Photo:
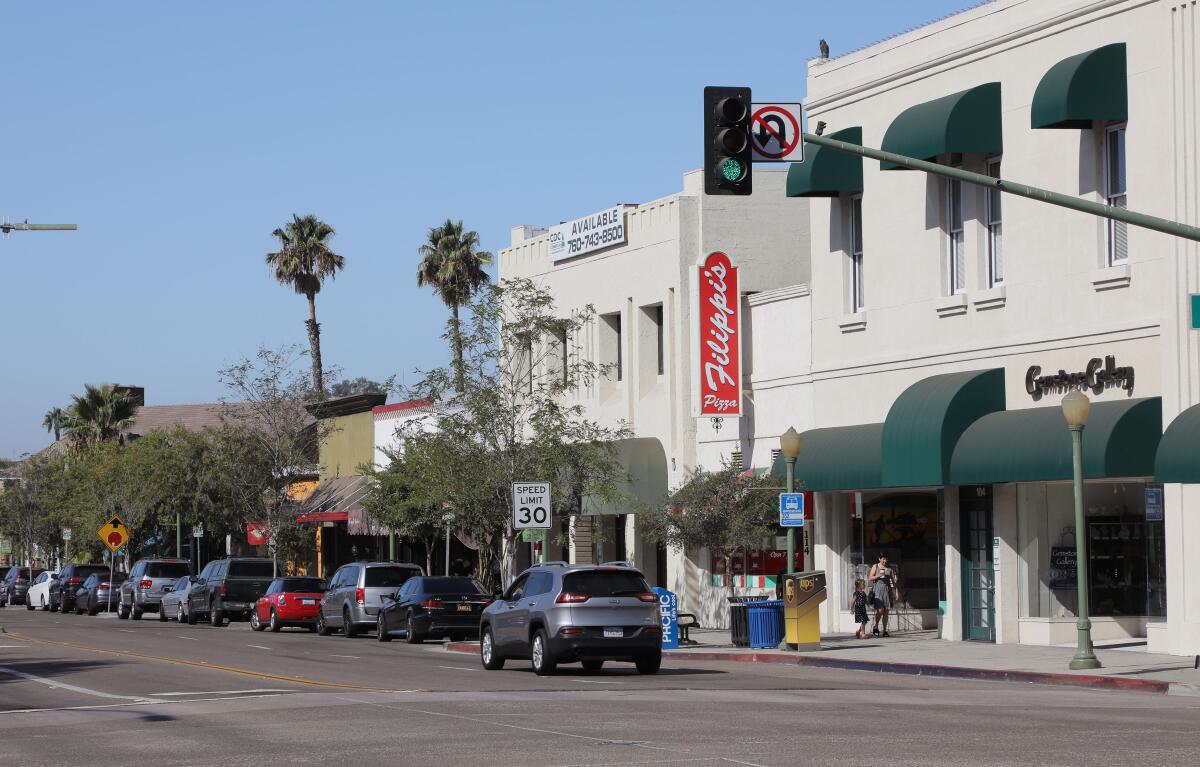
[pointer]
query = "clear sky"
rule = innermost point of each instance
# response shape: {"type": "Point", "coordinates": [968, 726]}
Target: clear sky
{"type": "Point", "coordinates": [179, 135]}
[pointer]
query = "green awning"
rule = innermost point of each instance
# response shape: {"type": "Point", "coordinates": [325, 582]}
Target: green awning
{"type": "Point", "coordinates": [837, 458]}
{"type": "Point", "coordinates": [926, 421]}
{"type": "Point", "coordinates": [1034, 445]}
{"type": "Point", "coordinates": [963, 122]}
{"type": "Point", "coordinates": [1179, 452]}
{"type": "Point", "coordinates": [1082, 89]}
{"type": "Point", "coordinates": [827, 172]}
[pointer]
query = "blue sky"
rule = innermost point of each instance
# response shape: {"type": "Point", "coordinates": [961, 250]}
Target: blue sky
{"type": "Point", "coordinates": [179, 135]}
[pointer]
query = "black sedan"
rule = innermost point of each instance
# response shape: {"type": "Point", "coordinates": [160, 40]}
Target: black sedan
{"type": "Point", "coordinates": [429, 606]}
{"type": "Point", "coordinates": [99, 592]}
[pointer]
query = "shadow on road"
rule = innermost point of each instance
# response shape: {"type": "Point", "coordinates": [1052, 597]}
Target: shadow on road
{"type": "Point", "coordinates": [47, 668]}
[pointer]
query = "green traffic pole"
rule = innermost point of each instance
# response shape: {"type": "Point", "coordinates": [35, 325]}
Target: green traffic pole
{"type": "Point", "coordinates": [1011, 187]}
{"type": "Point", "coordinates": [1085, 657]}
{"type": "Point", "coordinates": [791, 538]}
{"type": "Point", "coordinates": [178, 537]}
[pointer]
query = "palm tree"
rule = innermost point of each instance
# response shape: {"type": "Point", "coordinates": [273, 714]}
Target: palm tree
{"type": "Point", "coordinates": [454, 268]}
{"type": "Point", "coordinates": [100, 415]}
{"type": "Point", "coordinates": [303, 261]}
{"type": "Point", "coordinates": [54, 421]}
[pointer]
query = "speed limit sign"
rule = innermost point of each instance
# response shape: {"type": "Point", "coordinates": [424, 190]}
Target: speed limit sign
{"type": "Point", "coordinates": [531, 505]}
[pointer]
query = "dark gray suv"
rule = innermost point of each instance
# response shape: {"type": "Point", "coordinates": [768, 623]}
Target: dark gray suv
{"type": "Point", "coordinates": [558, 613]}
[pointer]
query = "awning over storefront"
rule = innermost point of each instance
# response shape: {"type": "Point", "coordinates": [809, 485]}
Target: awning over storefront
{"type": "Point", "coordinates": [1034, 445]}
{"type": "Point", "coordinates": [645, 461]}
{"type": "Point", "coordinates": [968, 121]}
{"type": "Point", "coordinates": [340, 499]}
{"type": "Point", "coordinates": [926, 421]}
{"type": "Point", "coordinates": [1082, 89]}
{"type": "Point", "coordinates": [827, 172]}
{"type": "Point", "coordinates": [1179, 451]}
{"type": "Point", "coordinates": [837, 458]}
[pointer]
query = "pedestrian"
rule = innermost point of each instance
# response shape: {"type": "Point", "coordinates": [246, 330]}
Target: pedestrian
{"type": "Point", "coordinates": [883, 592]}
{"type": "Point", "coordinates": [858, 604]}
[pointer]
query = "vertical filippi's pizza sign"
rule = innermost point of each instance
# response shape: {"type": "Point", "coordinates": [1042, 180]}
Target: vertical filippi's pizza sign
{"type": "Point", "coordinates": [588, 234]}
{"type": "Point", "coordinates": [717, 348]}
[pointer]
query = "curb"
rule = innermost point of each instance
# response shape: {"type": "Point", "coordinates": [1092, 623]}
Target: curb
{"type": "Point", "coordinates": [1097, 681]}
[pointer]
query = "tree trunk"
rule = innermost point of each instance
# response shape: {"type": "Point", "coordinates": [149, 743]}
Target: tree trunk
{"type": "Point", "coordinates": [457, 342]}
{"type": "Point", "coordinates": [314, 343]}
{"type": "Point", "coordinates": [429, 544]}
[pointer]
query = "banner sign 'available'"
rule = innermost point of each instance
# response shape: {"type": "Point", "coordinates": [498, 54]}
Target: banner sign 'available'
{"type": "Point", "coordinates": [587, 234]}
{"type": "Point", "coordinates": [717, 350]}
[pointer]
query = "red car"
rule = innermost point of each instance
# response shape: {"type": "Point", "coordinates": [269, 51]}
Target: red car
{"type": "Point", "coordinates": [289, 601]}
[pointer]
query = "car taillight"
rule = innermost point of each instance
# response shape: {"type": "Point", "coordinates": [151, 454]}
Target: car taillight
{"type": "Point", "coordinates": [653, 629]}
{"type": "Point", "coordinates": [105, 585]}
{"type": "Point", "coordinates": [224, 590]}
{"type": "Point", "coordinates": [648, 597]}
{"type": "Point", "coordinates": [433, 604]}
{"type": "Point", "coordinates": [570, 631]}
{"type": "Point", "coordinates": [360, 596]}
{"type": "Point", "coordinates": [74, 581]}
{"type": "Point", "coordinates": [568, 598]}
{"type": "Point", "coordinates": [147, 583]}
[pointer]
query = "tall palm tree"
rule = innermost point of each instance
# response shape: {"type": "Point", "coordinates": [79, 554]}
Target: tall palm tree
{"type": "Point", "coordinates": [100, 415]}
{"type": "Point", "coordinates": [54, 421]}
{"type": "Point", "coordinates": [303, 262]}
{"type": "Point", "coordinates": [453, 266]}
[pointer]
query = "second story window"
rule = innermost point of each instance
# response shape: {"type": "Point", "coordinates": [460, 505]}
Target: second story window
{"type": "Point", "coordinates": [1115, 193]}
{"type": "Point", "coordinates": [994, 227]}
{"type": "Point", "coordinates": [956, 256]}
{"type": "Point", "coordinates": [857, 301]}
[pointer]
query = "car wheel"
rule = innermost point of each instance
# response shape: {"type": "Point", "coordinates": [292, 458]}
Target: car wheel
{"type": "Point", "coordinates": [28, 603]}
{"type": "Point", "coordinates": [541, 658]}
{"type": "Point", "coordinates": [191, 616]}
{"type": "Point", "coordinates": [380, 633]}
{"type": "Point", "coordinates": [276, 626]}
{"type": "Point", "coordinates": [322, 626]}
{"type": "Point", "coordinates": [649, 664]}
{"type": "Point", "coordinates": [592, 664]}
{"type": "Point", "coordinates": [94, 611]}
{"type": "Point", "coordinates": [255, 623]}
{"type": "Point", "coordinates": [179, 616]}
{"type": "Point", "coordinates": [53, 607]}
{"type": "Point", "coordinates": [10, 600]}
{"type": "Point", "coordinates": [122, 614]}
{"type": "Point", "coordinates": [348, 629]}
{"type": "Point", "coordinates": [216, 616]}
{"type": "Point", "coordinates": [411, 635]}
{"type": "Point", "coordinates": [135, 612]}
{"type": "Point", "coordinates": [491, 657]}
{"type": "Point", "coordinates": [162, 613]}
{"type": "Point", "coordinates": [46, 606]}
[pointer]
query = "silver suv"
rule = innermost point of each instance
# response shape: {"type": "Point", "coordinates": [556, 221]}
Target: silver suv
{"type": "Point", "coordinates": [148, 581]}
{"type": "Point", "coordinates": [357, 591]}
{"type": "Point", "coordinates": [558, 613]}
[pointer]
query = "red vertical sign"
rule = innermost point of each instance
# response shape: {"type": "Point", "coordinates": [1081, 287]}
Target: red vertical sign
{"type": "Point", "coordinates": [718, 351]}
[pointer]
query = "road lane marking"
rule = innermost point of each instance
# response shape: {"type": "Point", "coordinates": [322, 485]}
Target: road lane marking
{"type": "Point", "coordinates": [258, 647]}
{"type": "Point", "coordinates": [190, 639]}
{"type": "Point", "coordinates": [459, 668]}
{"type": "Point", "coordinates": [220, 692]}
{"type": "Point", "coordinates": [131, 703]}
{"type": "Point", "coordinates": [355, 657]}
{"type": "Point", "coordinates": [127, 631]}
{"type": "Point", "coordinates": [53, 684]}
{"type": "Point", "coordinates": [595, 681]}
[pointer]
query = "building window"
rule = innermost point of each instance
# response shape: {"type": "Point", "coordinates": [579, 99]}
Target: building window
{"type": "Point", "coordinates": [658, 319]}
{"type": "Point", "coordinates": [610, 344]}
{"type": "Point", "coordinates": [994, 227]}
{"type": "Point", "coordinates": [564, 360]}
{"type": "Point", "coordinates": [856, 255]}
{"type": "Point", "coordinates": [1115, 193]}
{"type": "Point", "coordinates": [957, 259]}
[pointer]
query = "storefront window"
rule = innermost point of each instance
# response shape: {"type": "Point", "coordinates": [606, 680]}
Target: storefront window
{"type": "Point", "coordinates": [905, 527]}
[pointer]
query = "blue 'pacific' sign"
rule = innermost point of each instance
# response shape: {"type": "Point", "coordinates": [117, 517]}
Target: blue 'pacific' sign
{"type": "Point", "coordinates": [668, 614]}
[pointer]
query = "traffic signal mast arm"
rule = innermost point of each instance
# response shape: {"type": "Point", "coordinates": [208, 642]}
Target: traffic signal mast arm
{"type": "Point", "coordinates": [7, 227]}
{"type": "Point", "coordinates": [1032, 192]}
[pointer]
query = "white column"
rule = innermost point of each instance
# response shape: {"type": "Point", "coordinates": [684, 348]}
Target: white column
{"type": "Point", "coordinates": [831, 531]}
{"type": "Point", "coordinates": [1007, 572]}
{"type": "Point", "coordinates": [952, 560]}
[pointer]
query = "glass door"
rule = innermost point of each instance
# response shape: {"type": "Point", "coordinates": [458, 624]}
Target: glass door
{"type": "Point", "coordinates": [978, 567]}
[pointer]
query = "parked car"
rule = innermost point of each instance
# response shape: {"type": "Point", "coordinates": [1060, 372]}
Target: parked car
{"type": "Point", "coordinates": [558, 613]}
{"type": "Point", "coordinates": [356, 593]}
{"type": "Point", "coordinates": [174, 602]}
{"type": "Point", "coordinates": [290, 601]}
{"type": "Point", "coordinates": [15, 583]}
{"type": "Point", "coordinates": [227, 589]}
{"type": "Point", "coordinates": [70, 578]}
{"type": "Point", "coordinates": [39, 593]}
{"type": "Point", "coordinates": [431, 606]}
{"type": "Point", "coordinates": [98, 593]}
{"type": "Point", "coordinates": [149, 579]}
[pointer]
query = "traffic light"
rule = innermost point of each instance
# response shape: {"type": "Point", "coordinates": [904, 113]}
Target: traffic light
{"type": "Point", "coordinates": [727, 161]}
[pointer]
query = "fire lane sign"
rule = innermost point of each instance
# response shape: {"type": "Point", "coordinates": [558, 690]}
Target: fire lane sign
{"type": "Point", "coordinates": [531, 506]}
{"type": "Point", "coordinates": [775, 132]}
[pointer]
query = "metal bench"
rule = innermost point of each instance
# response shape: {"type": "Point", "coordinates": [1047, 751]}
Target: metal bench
{"type": "Point", "coordinates": [686, 622]}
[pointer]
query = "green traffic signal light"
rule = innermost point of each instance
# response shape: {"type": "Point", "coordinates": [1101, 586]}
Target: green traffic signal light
{"type": "Point", "coordinates": [732, 169]}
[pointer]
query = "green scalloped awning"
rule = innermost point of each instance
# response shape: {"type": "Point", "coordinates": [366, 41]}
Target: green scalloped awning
{"type": "Point", "coordinates": [964, 122]}
{"type": "Point", "coordinates": [926, 421]}
{"type": "Point", "coordinates": [837, 458]}
{"type": "Point", "coordinates": [1082, 89]}
{"type": "Point", "coordinates": [1179, 451]}
{"type": "Point", "coordinates": [1034, 445]}
{"type": "Point", "coordinates": [827, 172]}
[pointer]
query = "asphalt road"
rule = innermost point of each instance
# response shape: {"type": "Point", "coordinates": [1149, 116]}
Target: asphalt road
{"type": "Point", "coordinates": [78, 690]}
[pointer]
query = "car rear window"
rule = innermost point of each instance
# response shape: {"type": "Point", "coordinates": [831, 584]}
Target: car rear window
{"type": "Point", "coordinates": [450, 586]}
{"type": "Point", "coordinates": [303, 585]}
{"type": "Point", "coordinates": [84, 572]}
{"type": "Point", "coordinates": [167, 569]}
{"type": "Point", "coordinates": [605, 583]}
{"type": "Point", "coordinates": [238, 569]}
{"type": "Point", "coordinates": [117, 578]}
{"type": "Point", "coordinates": [24, 573]}
{"type": "Point", "coordinates": [388, 577]}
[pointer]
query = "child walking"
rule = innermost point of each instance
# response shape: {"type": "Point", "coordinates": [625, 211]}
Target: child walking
{"type": "Point", "coordinates": [858, 603]}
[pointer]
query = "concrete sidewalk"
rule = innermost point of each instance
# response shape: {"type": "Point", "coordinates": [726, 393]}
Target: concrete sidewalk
{"type": "Point", "coordinates": [1126, 666]}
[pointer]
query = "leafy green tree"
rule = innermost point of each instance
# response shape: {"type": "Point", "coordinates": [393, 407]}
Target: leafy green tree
{"type": "Point", "coordinates": [391, 502]}
{"type": "Point", "coordinates": [303, 262]}
{"type": "Point", "coordinates": [25, 516]}
{"type": "Point", "coordinates": [453, 265]}
{"type": "Point", "coordinates": [101, 414]}
{"type": "Point", "coordinates": [360, 385]}
{"type": "Point", "coordinates": [54, 421]}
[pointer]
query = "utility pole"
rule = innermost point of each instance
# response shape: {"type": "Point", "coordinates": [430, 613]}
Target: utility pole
{"type": "Point", "coordinates": [7, 227]}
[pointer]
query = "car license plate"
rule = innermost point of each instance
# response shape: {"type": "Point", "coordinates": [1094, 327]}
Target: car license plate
{"type": "Point", "coordinates": [308, 601]}
{"type": "Point", "coordinates": [613, 632]}
{"type": "Point", "coordinates": [464, 608]}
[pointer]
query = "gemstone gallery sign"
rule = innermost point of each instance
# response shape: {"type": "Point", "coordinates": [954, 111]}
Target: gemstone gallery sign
{"type": "Point", "coordinates": [588, 234]}
{"type": "Point", "coordinates": [716, 346]}
{"type": "Point", "coordinates": [1099, 374]}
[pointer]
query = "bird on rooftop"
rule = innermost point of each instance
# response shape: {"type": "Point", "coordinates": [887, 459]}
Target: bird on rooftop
{"type": "Point", "coordinates": [824, 49]}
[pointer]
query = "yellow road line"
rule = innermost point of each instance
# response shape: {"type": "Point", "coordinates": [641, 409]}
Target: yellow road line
{"type": "Point", "coordinates": [200, 664]}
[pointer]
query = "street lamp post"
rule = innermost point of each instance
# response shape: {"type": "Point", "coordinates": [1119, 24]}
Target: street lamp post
{"type": "Point", "coordinates": [1075, 409]}
{"type": "Point", "coordinates": [448, 517]}
{"type": "Point", "coordinates": [790, 444]}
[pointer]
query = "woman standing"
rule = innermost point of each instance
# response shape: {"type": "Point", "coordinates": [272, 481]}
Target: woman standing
{"type": "Point", "coordinates": [883, 592]}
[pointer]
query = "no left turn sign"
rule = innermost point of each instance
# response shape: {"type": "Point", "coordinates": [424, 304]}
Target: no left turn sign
{"type": "Point", "coordinates": [775, 132]}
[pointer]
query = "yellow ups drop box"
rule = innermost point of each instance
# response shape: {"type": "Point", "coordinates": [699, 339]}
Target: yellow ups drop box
{"type": "Point", "coordinates": [803, 593]}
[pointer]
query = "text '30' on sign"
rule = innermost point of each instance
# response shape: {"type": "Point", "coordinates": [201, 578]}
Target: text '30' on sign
{"type": "Point", "coordinates": [531, 505]}
{"type": "Point", "coordinates": [775, 132]}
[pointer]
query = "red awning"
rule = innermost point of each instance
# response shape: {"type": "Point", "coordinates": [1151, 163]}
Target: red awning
{"type": "Point", "coordinates": [324, 516]}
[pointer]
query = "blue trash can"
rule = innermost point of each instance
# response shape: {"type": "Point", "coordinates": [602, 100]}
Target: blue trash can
{"type": "Point", "coordinates": [766, 622]}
